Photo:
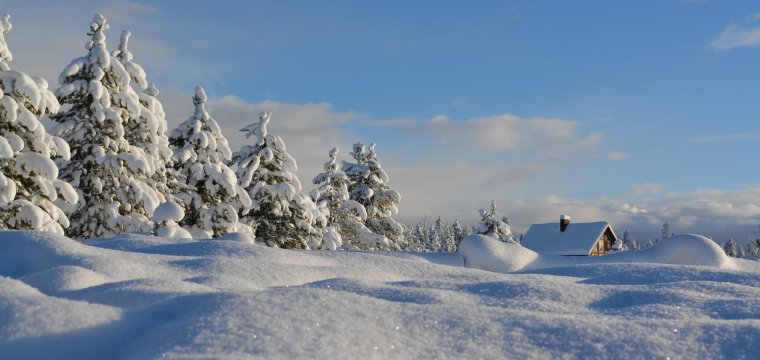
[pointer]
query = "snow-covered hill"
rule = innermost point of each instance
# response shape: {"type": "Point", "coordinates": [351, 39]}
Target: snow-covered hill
{"type": "Point", "coordinates": [146, 297]}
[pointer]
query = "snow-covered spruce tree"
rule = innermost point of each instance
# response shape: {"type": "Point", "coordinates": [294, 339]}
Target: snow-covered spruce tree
{"type": "Point", "coordinates": [729, 247]}
{"type": "Point", "coordinates": [346, 215]}
{"type": "Point", "coordinates": [492, 226]}
{"type": "Point", "coordinates": [280, 215]}
{"type": "Point", "coordinates": [110, 175]}
{"type": "Point", "coordinates": [369, 187]}
{"type": "Point", "coordinates": [146, 131]}
{"type": "Point", "coordinates": [29, 184]}
{"type": "Point", "coordinates": [458, 233]}
{"type": "Point", "coordinates": [665, 231]}
{"type": "Point", "coordinates": [200, 151]}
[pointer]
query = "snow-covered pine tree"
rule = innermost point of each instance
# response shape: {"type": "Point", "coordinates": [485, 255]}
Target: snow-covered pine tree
{"type": "Point", "coordinates": [280, 215]}
{"type": "Point", "coordinates": [420, 239]}
{"type": "Point", "coordinates": [29, 184]}
{"type": "Point", "coordinates": [369, 187]}
{"type": "Point", "coordinates": [146, 131]}
{"type": "Point", "coordinates": [730, 248]}
{"type": "Point", "coordinates": [491, 225]}
{"type": "Point", "coordinates": [438, 236]}
{"type": "Point", "coordinates": [200, 151]}
{"type": "Point", "coordinates": [110, 175]}
{"type": "Point", "coordinates": [347, 215]}
{"type": "Point", "coordinates": [458, 233]}
{"type": "Point", "coordinates": [665, 232]}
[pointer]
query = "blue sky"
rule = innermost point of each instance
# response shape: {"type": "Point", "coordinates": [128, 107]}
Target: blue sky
{"type": "Point", "coordinates": [631, 112]}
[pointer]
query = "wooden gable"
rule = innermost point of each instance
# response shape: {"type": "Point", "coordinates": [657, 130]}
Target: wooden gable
{"type": "Point", "coordinates": [604, 243]}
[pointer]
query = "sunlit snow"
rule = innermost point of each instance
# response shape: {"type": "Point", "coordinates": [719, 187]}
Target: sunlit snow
{"type": "Point", "coordinates": [146, 297]}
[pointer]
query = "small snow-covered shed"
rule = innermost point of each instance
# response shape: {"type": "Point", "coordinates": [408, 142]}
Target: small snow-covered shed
{"type": "Point", "coordinates": [571, 239]}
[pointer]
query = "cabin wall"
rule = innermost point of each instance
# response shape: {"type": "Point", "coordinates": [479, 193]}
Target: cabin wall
{"type": "Point", "coordinates": [603, 244]}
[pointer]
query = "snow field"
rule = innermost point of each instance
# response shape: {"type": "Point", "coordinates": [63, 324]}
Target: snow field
{"type": "Point", "coordinates": [145, 297]}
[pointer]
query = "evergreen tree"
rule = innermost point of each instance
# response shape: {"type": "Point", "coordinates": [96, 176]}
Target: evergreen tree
{"type": "Point", "coordinates": [200, 148]}
{"type": "Point", "coordinates": [146, 130]}
{"type": "Point", "coordinates": [458, 233]}
{"type": "Point", "coordinates": [491, 225]}
{"type": "Point", "coordinates": [110, 175]}
{"type": "Point", "coordinates": [346, 215]}
{"type": "Point", "coordinates": [422, 237]}
{"type": "Point", "coordinates": [29, 186]}
{"type": "Point", "coordinates": [633, 244]}
{"type": "Point", "coordinates": [280, 215]}
{"type": "Point", "coordinates": [730, 248]}
{"type": "Point", "coordinates": [649, 244]}
{"type": "Point", "coordinates": [369, 187]}
{"type": "Point", "coordinates": [438, 236]}
{"type": "Point", "coordinates": [665, 232]}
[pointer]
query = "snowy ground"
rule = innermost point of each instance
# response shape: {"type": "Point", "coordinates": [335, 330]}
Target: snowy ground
{"type": "Point", "coordinates": [146, 297]}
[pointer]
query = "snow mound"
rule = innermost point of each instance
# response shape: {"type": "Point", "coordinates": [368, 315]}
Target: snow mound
{"type": "Point", "coordinates": [168, 211]}
{"type": "Point", "coordinates": [65, 278]}
{"type": "Point", "coordinates": [686, 249]}
{"type": "Point", "coordinates": [237, 236]}
{"type": "Point", "coordinates": [486, 253]}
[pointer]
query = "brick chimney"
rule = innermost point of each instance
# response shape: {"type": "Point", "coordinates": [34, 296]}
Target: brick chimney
{"type": "Point", "coordinates": [564, 221]}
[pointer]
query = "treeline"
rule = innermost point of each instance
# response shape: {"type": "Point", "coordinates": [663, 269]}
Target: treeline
{"type": "Point", "coordinates": [110, 165]}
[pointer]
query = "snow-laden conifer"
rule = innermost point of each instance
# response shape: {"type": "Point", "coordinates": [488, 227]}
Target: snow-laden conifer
{"type": "Point", "coordinates": [458, 233]}
{"type": "Point", "coordinates": [29, 185]}
{"type": "Point", "coordinates": [369, 187]}
{"type": "Point", "coordinates": [201, 151]}
{"type": "Point", "coordinates": [146, 131]}
{"type": "Point", "coordinates": [346, 215]}
{"type": "Point", "coordinates": [280, 215]}
{"type": "Point", "coordinates": [491, 225]}
{"type": "Point", "coordinates": [110, 175]}
{"type": "Point", "coordinates": [729, 247]}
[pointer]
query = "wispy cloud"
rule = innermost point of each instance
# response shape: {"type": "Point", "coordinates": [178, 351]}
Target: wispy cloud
{"type": "Point", "coordinates": [737, 35]}
{"type": "Point", "coordinates": [505, 132]}
{"type": "Point", "coordinates": [459, 101]}
{"type": "Point", "coordinates": [724, 138]}
{"type": "Point", "coordinates": [616, 156]}
{"type": "Point", "coordinates": [309, 130]}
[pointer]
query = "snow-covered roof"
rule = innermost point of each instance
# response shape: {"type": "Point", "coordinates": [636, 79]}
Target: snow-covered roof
{"type": "Point", "coordinates": [577, 239]}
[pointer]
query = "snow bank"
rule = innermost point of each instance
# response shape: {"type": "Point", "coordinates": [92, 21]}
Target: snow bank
{"type": "Point", "coordinates": [137, 296]}
{"type": "Point", "coordinates": [686, 249]}
{"type": "Point", "coordinates": [486, 253]}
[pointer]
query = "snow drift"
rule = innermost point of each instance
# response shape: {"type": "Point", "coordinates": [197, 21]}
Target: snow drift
{"type": "Point", "coordinates": [145, 297]}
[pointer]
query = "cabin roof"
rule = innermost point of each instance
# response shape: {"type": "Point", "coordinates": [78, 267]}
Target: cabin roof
{"type": "Point", "coordinates": [577, 239]}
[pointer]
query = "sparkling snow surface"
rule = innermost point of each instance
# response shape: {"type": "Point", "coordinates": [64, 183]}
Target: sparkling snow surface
{"type": "Point", "coordinates": [147, 297]}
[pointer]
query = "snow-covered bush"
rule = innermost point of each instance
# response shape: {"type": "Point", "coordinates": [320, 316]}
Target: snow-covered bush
{"type": "Point", "coordinates": [200, 151]}
{"type": "Point", "coordinates": [494, 227]}
{"type": "Point", "coordinates": [280, 215]}
{"type": "Point", "coordinates": [29, 185]}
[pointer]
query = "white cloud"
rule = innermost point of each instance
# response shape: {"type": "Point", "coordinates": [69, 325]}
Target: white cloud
{"type": "Point", "coordinates": [506, 132]}
{"type": "Point", "coordinates": [735, 35]}
{"type": "Point", "coordinates": [720, 213]}
{"type": "Point", "coordinates": [309, 130]}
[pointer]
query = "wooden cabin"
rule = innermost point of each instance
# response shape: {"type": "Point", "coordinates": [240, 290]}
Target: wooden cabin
{"type": "Point", "coordinates": [570, 239]}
